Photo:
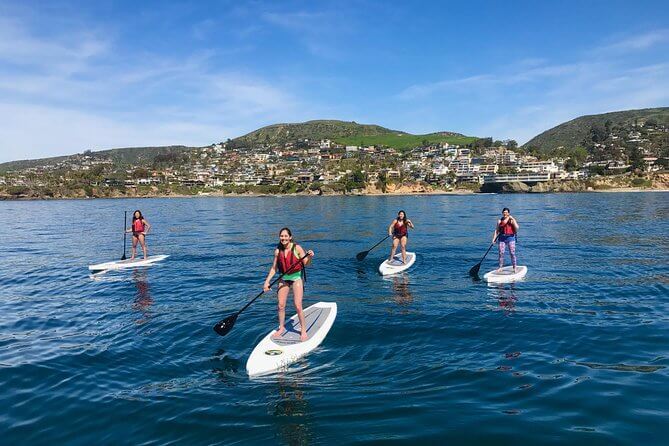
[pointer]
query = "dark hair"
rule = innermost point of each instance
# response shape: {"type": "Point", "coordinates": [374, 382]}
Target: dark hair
{"type": "Point", "coordinates": [279, 245]}
{"type": "Point", "coordinates": [141, 217]}
{"type": "Point", "coordinates": [506, 209]}
{"type": "Point", "coordinates": [405, 214]}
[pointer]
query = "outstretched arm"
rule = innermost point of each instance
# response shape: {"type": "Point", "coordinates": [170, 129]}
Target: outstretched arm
{"type": "Point", "coordinates": [272, 271]}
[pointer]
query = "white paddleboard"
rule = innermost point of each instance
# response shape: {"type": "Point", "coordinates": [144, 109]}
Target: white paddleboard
{"type": "Point", "coordinates": [396, 266]}
{"type": "Point", "coordinates": [120, 264]}
{"type": "Point", "coordinates": [505, 275]}
{"type": "Point", "coordinates": [276, 354]}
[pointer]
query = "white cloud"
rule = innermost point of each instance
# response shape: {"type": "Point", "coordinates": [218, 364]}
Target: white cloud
{"type": "Point", "coordinates": [73, 91]}
{"type": "Point", "coordinates": [525, 98]}
{"type": "Point", "coordinates": [637, 42]}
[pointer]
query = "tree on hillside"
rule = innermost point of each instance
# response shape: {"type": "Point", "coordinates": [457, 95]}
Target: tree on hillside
{"type": "Point", "coordinates": [598, 134]}
{"type": "Point", "coordinates": [636, 158]}
{"type": "Point", "coordinates": [511, 144]}
{"type": "Point", "coordinates": [141, 172]}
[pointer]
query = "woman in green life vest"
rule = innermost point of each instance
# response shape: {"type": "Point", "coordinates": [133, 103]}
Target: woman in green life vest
{"type": "Point", "coordinates": [289, 260]}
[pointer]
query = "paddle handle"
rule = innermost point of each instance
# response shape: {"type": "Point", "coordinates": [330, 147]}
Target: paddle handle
{"type": "Point", "coordinates": [272, 283]}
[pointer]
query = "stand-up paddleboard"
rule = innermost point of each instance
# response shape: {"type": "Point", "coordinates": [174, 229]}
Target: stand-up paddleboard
{"type": "Point", "coordinates": [275, 354]}
{"type": "Point", "coordinates": [396, 265]}
{"type": "Point", "coordinates": [506, 274]}
{"type": "Point", "coordinates": [120, 264]}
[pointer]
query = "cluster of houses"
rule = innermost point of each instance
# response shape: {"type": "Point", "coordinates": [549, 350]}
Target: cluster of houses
{"type": "Point", "coordinates": [325, 162]}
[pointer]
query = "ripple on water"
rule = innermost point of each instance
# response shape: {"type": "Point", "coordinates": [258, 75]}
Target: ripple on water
{"type": "Point", "coordinates": [574, 353]}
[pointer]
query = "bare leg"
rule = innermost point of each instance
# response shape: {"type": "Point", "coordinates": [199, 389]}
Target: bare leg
{"type": "Point", "coordinates": [298, 293]}
{"type": "Point", "coordinates": [404, 249]}
{"type": "Point", "coordinates": [142, 241]}
{"type": "Point", "coordinates": [134, 247]}
{"type": "Point", "coordinates": [393, 249]}
{"type": "Point", "coordinates": [282, 295]}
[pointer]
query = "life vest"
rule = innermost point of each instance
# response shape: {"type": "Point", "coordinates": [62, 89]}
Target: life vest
{"type": "Point", "coordinates": [400, 230]}
{"type": "Point", "coordinates": [288, 261]}
{"type": "Point", "coordinates": [137, 225]}
{"type": "Point", "coordinates": [507, 228]}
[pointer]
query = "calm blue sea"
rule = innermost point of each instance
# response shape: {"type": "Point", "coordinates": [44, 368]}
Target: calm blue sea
{"type": "Point", "coordinates": [577, 353]}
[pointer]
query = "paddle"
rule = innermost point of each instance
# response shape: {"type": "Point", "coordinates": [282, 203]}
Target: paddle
{"type": "Point", "coordinates": [361, 255]}
{"type": "Point", "coordinates": [225, 325]}
{"type": "Point", "coordinates": [474, 271]}
{"type": "Point", "coordinates": [125, 222]}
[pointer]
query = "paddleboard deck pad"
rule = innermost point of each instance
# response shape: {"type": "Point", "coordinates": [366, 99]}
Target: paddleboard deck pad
{"type": "Point", "coordinates": [120, 264]}
{"type": "Point", "coordinates": [505, 275]}
{"type": "Point", "coordinates": [274, 354]}
{"type": "Point", "coordinates": [396, 266]}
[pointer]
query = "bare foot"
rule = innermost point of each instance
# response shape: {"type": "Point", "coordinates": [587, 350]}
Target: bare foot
{"type": "Point", "coordinates": [303, 336]}
{"type": "Point", "coordinates": [277, 334]}
{"type": "Point", "coordinates": [499, 270]}
{"type": "Point", "coordinates": [514, 270]}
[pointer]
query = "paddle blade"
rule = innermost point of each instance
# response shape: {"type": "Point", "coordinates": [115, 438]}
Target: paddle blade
{"type": "Point", "coordinates": [474, 272]}
{"type": "Point", "coordinates": [362, 255]}
{"type": "Point", "coordinates": [224, 326]}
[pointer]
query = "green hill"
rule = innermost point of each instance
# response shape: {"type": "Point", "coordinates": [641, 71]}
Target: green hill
{"type": "Point", "coordinates": [343, 132]}
{"type": "Point", "coordinates": [348, 133]}
{"type": "Point", "coordinates": [120, 157]}
{"type": "Point", "coordinates": [572, 133]}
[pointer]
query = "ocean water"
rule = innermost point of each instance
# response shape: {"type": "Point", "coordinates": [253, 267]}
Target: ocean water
{"type": "Point", "coordinates": [578, 352]}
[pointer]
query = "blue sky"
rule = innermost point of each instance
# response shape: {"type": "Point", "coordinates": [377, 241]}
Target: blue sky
{"type": "Point", "coordinates": [96, 75]}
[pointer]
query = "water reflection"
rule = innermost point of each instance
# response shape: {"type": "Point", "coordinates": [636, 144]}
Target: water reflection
{"type": "Point", "coordinates": [505, 295]}
{"type": "Point", "coordinates": [291, 412]}
{"type": "Point", "coordinates": [143, 299]}
{"type": "Point", "coordinates": [227, 369]}
{"type": "Point", "coordinates": [401, 291]}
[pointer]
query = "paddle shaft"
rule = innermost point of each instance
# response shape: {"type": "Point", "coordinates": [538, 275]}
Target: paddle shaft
{"type": "Point", "coordinates": [125, 222]}
{"type": "Point", "coordinates": [382, 240]}
{"type": "Point", "coordinates": [273, 282]}
{"type": "Point", "coordinates": [486, 253]}
{"type": "Point", "coordinates": [361, 255]}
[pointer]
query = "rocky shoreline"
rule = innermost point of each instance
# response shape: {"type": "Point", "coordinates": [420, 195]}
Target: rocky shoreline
{"type": "Point", "coordinates": [620, 183]}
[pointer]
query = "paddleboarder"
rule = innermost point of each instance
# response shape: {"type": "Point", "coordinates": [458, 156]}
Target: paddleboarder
{"type": "Point", "coordinates": [139, 228]}
{"type": "Point", "coordinates": [399, 230]}
{"type": "Point", "coordinates": [290, 259]}
{"type": "Point", "coordinates": [505, 232]}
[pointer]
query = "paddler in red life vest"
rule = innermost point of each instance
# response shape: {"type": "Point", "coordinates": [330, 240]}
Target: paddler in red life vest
{"type": "Point", "coordinates": [290, 260]}
{"type": "Point", "coordinates": [505, 231]}
{"type": "Point", "coordinates": [140, 227]}
{"type": "Point", "coordinates": [399, 230]}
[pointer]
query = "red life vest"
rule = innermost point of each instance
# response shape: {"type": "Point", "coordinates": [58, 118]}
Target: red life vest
{"type": "Point", "coordinates": [288, 261]}
{"type": "Point", "coordinates": [400, 230]}
{"type": "Point", "coordinates": [506, 228]}
{"type": "Point", "coordinates": [138, 225]}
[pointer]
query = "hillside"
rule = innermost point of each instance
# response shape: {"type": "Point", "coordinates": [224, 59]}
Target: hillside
{"type": "Point", "coordinates": [121, 156]}
{"type": "Point", "coordinates": [348, 133]}
{"type": "Point", "coordinates": [342, 132]}
{"type": "Point", "coordinates": [572, 133]}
